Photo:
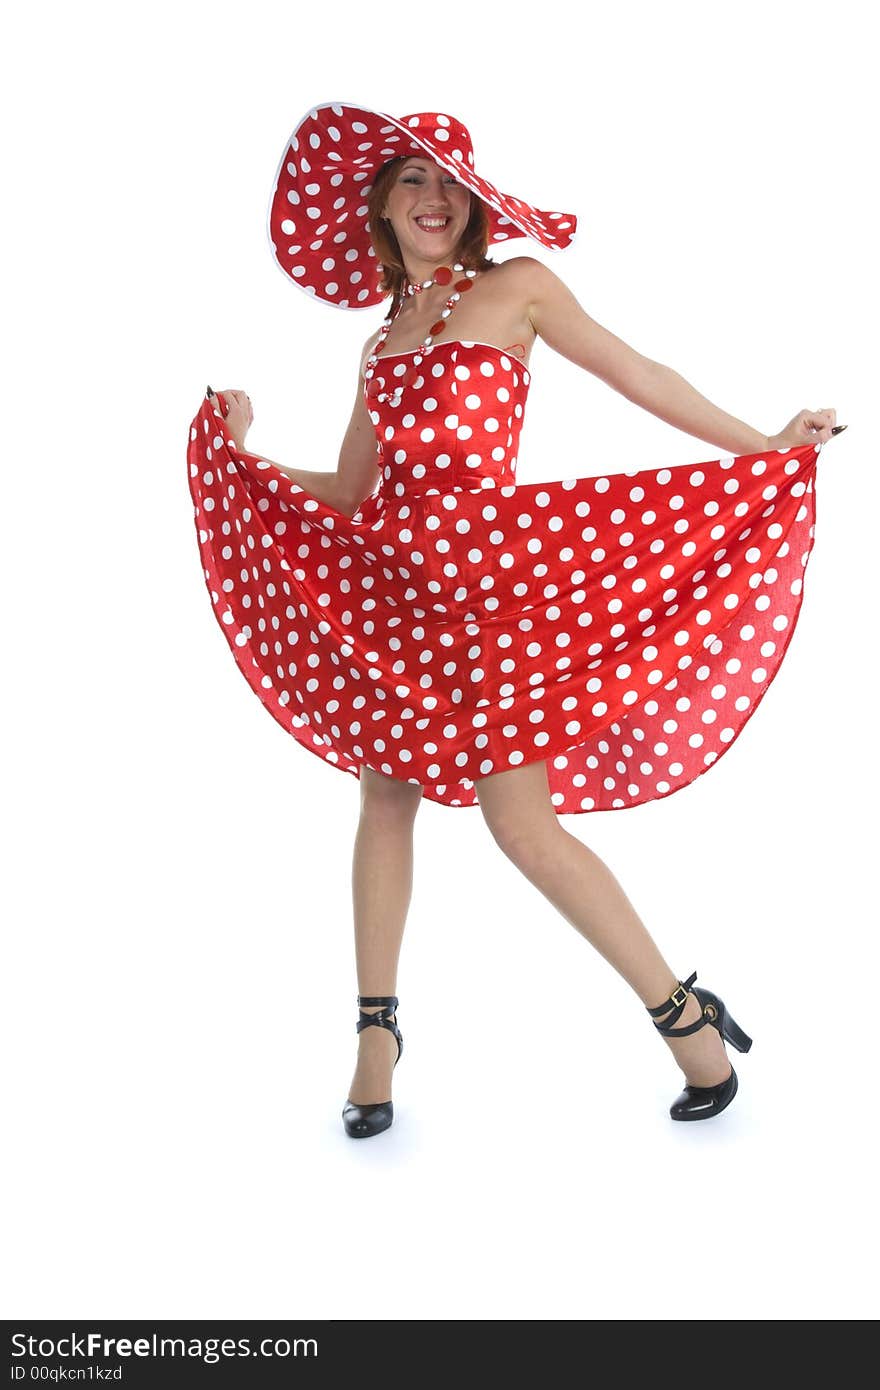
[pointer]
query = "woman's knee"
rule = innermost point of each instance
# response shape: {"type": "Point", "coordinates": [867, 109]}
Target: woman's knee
{"type": "Point", "coordinates": [518, 812]}
{"type": "Point", "coordinates": [525, 842]}
{"type": "Point", "coordinates": [388, 797]}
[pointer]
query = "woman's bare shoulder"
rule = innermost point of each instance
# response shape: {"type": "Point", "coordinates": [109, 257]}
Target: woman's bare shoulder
{"type": "Point", "coordinates": [517, 265]}
{"type": "Point", "coordinates": [523, 279]}
{"type": "Point", "coordinates": [521, 270]}
{"type": "Point", "coordinates": [369, 343]}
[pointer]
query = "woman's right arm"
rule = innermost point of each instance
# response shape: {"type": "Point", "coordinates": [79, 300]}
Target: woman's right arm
{"type": "Point", "coordinates": [356, 472]}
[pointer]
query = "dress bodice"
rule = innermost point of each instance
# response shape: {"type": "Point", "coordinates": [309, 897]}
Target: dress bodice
{"type": "Point", "coordinates": [457, 423]}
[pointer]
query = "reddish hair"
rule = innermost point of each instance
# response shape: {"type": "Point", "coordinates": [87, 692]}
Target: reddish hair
{"type": "Point", "coordinates": [471, 249]}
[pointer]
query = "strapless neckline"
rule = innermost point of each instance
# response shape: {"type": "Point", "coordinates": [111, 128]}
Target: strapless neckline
{"type": "Point", "coordinates": [458, 342]}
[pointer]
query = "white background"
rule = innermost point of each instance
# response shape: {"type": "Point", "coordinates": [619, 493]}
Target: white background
{"type": "Point", "coordinates": [179, 1006]}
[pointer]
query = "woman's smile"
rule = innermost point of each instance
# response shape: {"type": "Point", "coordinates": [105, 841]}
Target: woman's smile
{"type": "Point", "coordinates": [433, 224]}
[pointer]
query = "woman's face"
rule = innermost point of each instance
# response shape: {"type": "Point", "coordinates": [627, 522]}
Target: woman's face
{"type": "Point", "coordinates": [423, 194]}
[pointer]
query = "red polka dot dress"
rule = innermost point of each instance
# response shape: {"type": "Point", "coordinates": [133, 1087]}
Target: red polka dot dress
{"type": "Point", "coordinates": [621, 628]}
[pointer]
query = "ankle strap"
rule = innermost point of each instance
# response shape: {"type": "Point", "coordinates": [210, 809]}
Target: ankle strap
{"type": "Point", "coordinates": [386, 1005]}
{"type": "Point", "coordinates": [677, 999]}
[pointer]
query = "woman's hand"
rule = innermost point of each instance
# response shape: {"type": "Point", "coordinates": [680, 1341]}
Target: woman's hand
{"type": "Point", "coordinates": [806, 425]}
{"type": "Point", "coordinates": [239, 413]}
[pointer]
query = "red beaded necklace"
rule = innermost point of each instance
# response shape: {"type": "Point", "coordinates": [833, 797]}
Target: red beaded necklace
{"type": "Point", "coordinates": [442, 276]}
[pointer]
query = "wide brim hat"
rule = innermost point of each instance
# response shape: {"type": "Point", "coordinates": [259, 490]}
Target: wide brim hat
{"type": "Point", "coordinates": [318, 214]}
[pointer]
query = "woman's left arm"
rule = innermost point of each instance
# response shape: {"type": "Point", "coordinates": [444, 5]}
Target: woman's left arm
{"type": "Point", "coordinates": [559, 319]}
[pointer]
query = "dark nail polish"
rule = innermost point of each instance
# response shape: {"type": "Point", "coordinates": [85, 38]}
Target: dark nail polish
{"type": "Point", "coordinates": [838, 428]}
{"type": "Point", "coordinates": [210, 391]}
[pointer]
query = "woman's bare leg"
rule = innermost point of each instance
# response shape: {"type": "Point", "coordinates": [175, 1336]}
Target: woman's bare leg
{"type": "Point", "coordinates": [517, 808]}
{"type": "Point", "coordinates": [382, 870]}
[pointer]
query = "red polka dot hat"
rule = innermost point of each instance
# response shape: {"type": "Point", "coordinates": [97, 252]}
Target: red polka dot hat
{"type": "Point", "coordinates": [318, 222]}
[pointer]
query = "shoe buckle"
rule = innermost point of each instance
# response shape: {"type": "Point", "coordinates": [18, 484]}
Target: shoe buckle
{"type": "Point", "coordinates": [679, 989]}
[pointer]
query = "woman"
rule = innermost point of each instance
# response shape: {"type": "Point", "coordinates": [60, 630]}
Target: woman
{"type": "Point", "coordinates": [460, 635]}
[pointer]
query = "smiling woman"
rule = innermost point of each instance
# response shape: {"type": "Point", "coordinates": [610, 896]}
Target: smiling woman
{"type": "Point", "coordinates": [449, 631]}
{"type": "Point", "coordinates": [404, 192]}
{"type": "Point", "coordinates": [455, 621]}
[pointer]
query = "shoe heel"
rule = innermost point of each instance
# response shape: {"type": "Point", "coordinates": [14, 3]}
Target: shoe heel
{"type": "Point", "coordinates": [363, 1121]}
{"type": "Point", "coordinates": [732, 1033]}
{"type": "Point", "coordinates": [700, 1102]}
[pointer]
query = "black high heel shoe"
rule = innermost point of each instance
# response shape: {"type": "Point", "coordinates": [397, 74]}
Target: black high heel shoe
{"type": "Point", "coordinates": [701, 1102]}
{"type": "Point", "coordinates": [362, 1121]}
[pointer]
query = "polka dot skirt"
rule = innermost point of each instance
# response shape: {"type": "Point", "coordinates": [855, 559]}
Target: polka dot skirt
{"type": "Point", "coordinates": [622, 628]}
